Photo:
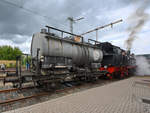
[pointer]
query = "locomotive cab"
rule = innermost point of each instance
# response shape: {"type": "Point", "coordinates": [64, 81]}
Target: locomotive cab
{"type": "Point", "coordinates": [116, 61]}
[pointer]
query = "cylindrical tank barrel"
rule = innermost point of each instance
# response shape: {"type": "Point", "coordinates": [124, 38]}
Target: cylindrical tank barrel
{"type": "Point", "coordinates": [52, 46]}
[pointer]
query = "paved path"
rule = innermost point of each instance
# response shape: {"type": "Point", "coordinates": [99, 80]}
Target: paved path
{"type": "Point", "coordinates": [119, 97]}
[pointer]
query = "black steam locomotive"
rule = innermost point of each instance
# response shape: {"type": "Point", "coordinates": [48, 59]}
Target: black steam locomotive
{"type": "Point", "coordinates": [116, 61]}
{"type": "Point", "coordinates": [59, 59]}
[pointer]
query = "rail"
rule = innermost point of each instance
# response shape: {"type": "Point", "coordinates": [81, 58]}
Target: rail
{"type": "Point", "coordinates": [66, 90]}
{"type": "Point", "coordinates": [62, 32]}
{"type": "Point", "coordinates": [96, 42]}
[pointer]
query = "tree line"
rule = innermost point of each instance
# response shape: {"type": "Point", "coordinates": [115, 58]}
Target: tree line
{"type": "Point", "coordinates": [9, 53]}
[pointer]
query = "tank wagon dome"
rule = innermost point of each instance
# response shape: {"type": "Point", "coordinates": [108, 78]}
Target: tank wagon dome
{"type": "Point", "coordinates": [52, 45]}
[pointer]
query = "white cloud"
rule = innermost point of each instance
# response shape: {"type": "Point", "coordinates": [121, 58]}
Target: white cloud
{"type": "Point", "coordinates": [118, 36]}
{"type": "Point", "coordinates": [21, 41]}
{"type": "Point", "coordinates": [22, 24]}
{"type": "Point", "coordinates": [142, 44]}
{"type": "Point", "coordinates": [123, 13]}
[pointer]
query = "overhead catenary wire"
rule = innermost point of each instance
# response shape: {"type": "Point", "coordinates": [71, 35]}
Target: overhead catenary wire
{"type": "Point", "coordinates": [101, 27]}
{"type": "Point", "coordinates": [32, 12]}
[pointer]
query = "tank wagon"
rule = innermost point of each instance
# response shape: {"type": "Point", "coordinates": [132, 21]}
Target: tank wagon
{"type": "Point", "coordinates": [59, 59]}
{"type": "Point", "coordinates": [54, 52]}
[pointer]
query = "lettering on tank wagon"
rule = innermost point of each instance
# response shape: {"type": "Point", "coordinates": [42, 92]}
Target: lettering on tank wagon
{"type": "Point", "coordinates": [96, 55]}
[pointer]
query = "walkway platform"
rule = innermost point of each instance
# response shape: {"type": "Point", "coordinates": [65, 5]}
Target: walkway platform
{"type": "Point", "coordinates": [130, 95]}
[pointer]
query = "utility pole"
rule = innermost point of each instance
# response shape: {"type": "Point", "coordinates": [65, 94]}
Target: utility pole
{"type": "Point", "coordinates": [101, 27]}
{"type": "Point", "coordinates": [72, 21]}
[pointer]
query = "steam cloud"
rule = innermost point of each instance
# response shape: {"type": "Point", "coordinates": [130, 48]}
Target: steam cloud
{"type": "Point", "coordinates": [137, 21]}
{"type": "Point", "coordinates": [143, 66]}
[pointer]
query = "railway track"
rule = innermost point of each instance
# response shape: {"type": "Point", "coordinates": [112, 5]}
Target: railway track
{"type": "Point", "coordinates": [40, 94]}
{"type": "Point", "coordinates": [28, 97]}
{"type": "Point", "coordinates": [66, 90]}
{"type": "Point", "coordinates": [22, 98]}
{"type": "Point", "coordinates": [10, 70]}
{"type": "Point", "coordinates": [4, 71]}
{"type": "Point", "coordinates": [14, 89]}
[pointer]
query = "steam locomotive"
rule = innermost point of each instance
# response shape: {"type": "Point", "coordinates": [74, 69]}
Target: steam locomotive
{"type": "Point", "coordinates": [116, 61]}
{"type": "Point", "coordinates": [56, 60]}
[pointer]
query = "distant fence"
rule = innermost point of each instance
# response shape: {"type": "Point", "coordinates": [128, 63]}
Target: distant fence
{"type": "Point", "coordinates": [8, 63]}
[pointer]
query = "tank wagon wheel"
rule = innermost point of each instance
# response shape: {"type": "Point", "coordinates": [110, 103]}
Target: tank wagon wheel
{"type": "Point", "coordinates": [51, 86]}
{"type": "Point", "coordinates": [90, 78]}
{"type": "Point", "coordinates": [87, 79]}
{"type": "Point", "coordinates": [15, 85]}
{"type": "Point", "coordinates": [39, 84]}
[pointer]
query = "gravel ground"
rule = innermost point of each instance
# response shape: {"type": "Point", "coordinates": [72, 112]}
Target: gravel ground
{"type": "Point", "coordinates": [52, 95]}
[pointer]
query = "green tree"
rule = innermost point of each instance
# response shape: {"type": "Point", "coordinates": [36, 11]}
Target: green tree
{"type": "Point", "coordinates": [9, 53]}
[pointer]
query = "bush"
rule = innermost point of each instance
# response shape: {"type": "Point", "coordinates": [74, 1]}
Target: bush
{"type": "Point", "coordinates": [9, 53]}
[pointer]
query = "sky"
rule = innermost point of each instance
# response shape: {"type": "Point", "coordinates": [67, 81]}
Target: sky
{"type": "Point", "coordinates": [20, 19]}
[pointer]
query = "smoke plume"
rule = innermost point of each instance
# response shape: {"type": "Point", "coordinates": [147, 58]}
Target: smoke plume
{"type": "Point", "coordinates": [143, 66]}
{"type": "Point", "coordinates": [137, 21]}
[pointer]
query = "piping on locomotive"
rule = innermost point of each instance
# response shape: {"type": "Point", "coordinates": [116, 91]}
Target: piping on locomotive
{"type": "Point", "coordinates": [59, 59]}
